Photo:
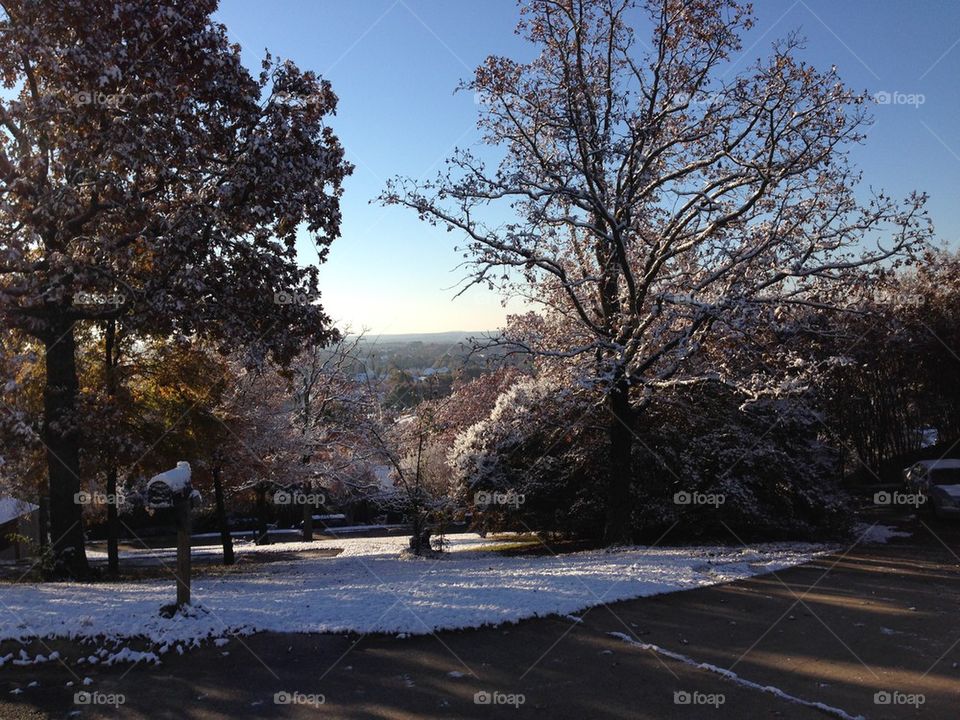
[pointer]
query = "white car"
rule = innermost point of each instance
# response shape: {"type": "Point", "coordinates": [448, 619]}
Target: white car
{"type": "Point", "coordinates": [939, 482]}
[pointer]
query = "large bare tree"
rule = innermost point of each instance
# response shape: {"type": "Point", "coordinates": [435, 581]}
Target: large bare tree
{"type": "Point", "coordinates": [648, 193]}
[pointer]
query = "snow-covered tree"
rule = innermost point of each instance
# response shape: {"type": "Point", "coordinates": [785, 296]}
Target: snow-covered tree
{"type": "Point", "coordinates": [263, 450]}
{"type": "Point", "coordinates": [146, 174]}
{"type": "Point", "coordinates": [758, 467]}
{"type": "Point", "coordinates": [893, 385]}
{"type": "Point", "coordinates": [535, 462]}
{"type": "Point", "coordinates": [328, 402]}
{"type": "Point", "coordinates": [652, 196]}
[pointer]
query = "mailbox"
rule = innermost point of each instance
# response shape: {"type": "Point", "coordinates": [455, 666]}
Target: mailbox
{"type": "Point", "coordinates": [172, 489]}
{"type": "Point", "coordinates": [167, 488]}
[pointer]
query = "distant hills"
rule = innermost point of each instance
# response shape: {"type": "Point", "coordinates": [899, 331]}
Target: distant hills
{"type": "Point", "coordinates": [450, 337]}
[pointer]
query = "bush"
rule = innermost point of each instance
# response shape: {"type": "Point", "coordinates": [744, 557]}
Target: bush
{"type": "Point", "coordinates": [751, 471]}
{"type": "Point", "coordinates": [754, 471]}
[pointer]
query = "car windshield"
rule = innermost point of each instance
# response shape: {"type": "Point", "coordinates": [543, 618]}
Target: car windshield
{"type": "Point", "coordinates": [945, 476]}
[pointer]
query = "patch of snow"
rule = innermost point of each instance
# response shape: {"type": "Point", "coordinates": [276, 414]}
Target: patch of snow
{"type": "Point", "coordinates": [25, 660]}
{"type": "Point", "coordinates": [11, 508]}
{"type": "Point", "coordinates": [879, 534]}
{"type": "Point", "coordinates": [134, 656]}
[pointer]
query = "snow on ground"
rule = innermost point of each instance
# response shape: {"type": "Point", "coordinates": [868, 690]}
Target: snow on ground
{"type": "Point", "coordinates": [12, 508]}
{"type": "Point", "coordinates": [879, 534]}
{"type": "Point", "coordinates": [371, 587]}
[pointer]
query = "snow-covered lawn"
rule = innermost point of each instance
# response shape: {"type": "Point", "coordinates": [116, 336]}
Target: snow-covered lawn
{"type": "Point", "coordinates": [371, 588]}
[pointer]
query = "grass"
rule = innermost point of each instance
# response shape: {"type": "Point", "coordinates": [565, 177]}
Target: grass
{"type": "Point", "coordinates": [531, 544]}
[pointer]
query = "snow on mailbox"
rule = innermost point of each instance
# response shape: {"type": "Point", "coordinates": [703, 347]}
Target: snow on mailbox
{"type": "Point", "coordinates": [165, 489]}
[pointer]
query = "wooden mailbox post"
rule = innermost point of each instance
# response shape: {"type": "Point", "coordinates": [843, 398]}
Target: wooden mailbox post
{"type": "Point", "coordinates": [173, 489]}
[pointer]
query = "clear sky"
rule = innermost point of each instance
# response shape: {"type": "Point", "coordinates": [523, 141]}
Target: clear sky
{"type": "Point", "coordinates": [395, 63]}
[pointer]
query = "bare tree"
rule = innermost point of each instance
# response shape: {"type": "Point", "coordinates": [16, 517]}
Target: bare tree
{"type": "Point", "coordinates": [422, 487]}
{"type": "Point", "coordinates": [325, 396]}
{"type": "Point", "coordinates": [654, 194]}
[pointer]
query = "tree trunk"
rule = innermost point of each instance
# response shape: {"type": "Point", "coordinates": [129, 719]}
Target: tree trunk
{"type": "Point", "coordinates": [263, 532]}
{"type": "Point", "coordinates": [113, 524]}
{"type": "Point", "coordinates": [113, 521]}
{"type": "Point", "coordinates": [225, 537]}
{"type": "Point", "coordinates": [63, 451]}
{"type": "Point", "coordinates": [420, 540]}
{"type": "Point", "coordinates": [620, 479]}
{"type": "Point", "coordinates": [43, 522]}
{"type": "Point", "coordinates": [308, 509]}
{"type": "Point", "coordinates": [182, 509]}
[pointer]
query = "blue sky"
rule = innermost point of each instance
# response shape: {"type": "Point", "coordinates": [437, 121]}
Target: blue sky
{"type": "Point", "coordinates": [395, 63]}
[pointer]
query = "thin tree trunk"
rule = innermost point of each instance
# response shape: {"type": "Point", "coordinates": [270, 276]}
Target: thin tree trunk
{"type": "Point", "coordinates": [113, 524]}
{"type": "Point", "coordinates": [420, 540]}
{"type": "Point", "coordinates": [263, 533]}
{"type": "Point", "coordinates": [619, 483]}
{"type": "Point", "coordinates": [43, 522]}
{"type": "Point", "coordinates": [307, 531]}
{"type": "Point", "coordinates": [421, 532]}
{"type": "Point", "coordinates": [63, 450]}
{"type": "Point", "coordinates": [113, 521]}
{"type": "Point", "coordinates": [308, 508]}
{"type": "Point", "coordinates": [225, 537]}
